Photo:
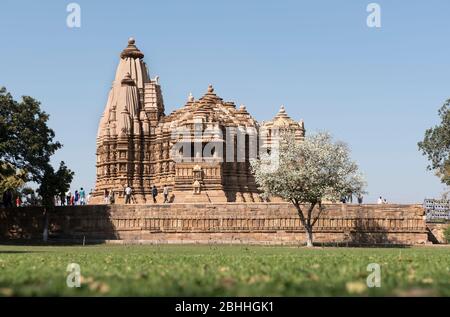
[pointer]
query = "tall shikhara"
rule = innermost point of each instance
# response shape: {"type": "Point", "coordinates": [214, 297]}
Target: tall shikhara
{"type": "Point", "coordinates": [135, 141]}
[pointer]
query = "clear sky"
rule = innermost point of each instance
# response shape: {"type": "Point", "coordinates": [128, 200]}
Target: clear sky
{"type": "Point", "coordinates": [377, 89]}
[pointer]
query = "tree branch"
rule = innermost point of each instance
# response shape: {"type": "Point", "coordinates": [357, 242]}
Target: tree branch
{"type": "Point", "coordinates": [299, 211]}
{"type": "Point", "coordinates": [318, 214]}
{"type": "Point", "coordinates": [311, 208]}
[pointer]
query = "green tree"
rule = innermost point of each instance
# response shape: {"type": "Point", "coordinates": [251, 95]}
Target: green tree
{"type": "Point", "coordinates": [26, 145]}
{"type": "Point", "coordinates": [26, 142]}
{"type": "Point", "coordinates": [54, 184]}
{"type": "Point", "coordinates": [436, 145]}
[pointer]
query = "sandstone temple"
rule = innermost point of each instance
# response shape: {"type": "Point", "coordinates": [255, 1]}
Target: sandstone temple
{"type": "Point", "coordinates": [137, 146]}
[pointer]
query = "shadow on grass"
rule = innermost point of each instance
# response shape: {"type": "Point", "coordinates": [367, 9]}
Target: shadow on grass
{"type": "Point", "coordinates": [361, 245]}
{"type": "Point", "coordinates": [18, 252]}
{"type": "Point", "coordinates": [51, 242]}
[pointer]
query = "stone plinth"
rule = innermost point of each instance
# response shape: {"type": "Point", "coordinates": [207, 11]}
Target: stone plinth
{"type": "Point", "coordinates": [256, 223]}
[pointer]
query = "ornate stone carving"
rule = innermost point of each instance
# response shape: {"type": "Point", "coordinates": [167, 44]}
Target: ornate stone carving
{"type": "Point", "coordinates": [135, 137]}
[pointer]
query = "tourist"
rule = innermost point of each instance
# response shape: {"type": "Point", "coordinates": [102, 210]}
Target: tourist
{"type": "Point", "coordinates": [68, 198]}
{"type": "Point", "coordinates": [360, 199]}
{"type": "Point", "coordinates": [82, 196]}
{"type": "Point", "coordinates": [72, 200]}
{"type": "Point", "coordinates": [350, 198]}
{"type": "Point", "coordinates": [128, 192]}
{"type": "Point", "coordinates": [77, 198]}
{"type": "Point", "coordinates": [111, 197]}
{"type": "Point", "coordinates": [89, 196]}
{"type": "Point", "coordinates": [380, 200]}
{"type": "Point", "coordinates": [18, 201]}
{"type": "Point", "coordinates": [166, 194]}
{"type": "Point", "coordinates": [154, 193]}
{"type": "Point", "coordinates": [106, 196]}
{"type": "Point", "coordinates": [62, 198]}
{"type": "Point", "coordinates": [57, 200]}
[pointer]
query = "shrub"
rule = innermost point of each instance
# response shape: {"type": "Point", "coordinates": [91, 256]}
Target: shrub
{"type": "Point", "coordinates": [447, 234]}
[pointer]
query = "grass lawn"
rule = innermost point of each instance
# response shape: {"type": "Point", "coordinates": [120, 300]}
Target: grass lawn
{"type": "Point", "coordinates": [222, 271]}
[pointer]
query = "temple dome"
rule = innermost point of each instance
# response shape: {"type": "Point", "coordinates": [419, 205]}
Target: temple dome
{"type": "Point", "coordinates": [282, 122]}
{"type": "Point", "coordinates": [210, 108]}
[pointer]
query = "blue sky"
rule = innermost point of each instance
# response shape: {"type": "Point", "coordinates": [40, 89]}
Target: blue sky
{"type": "Point", "coordinates": [376, 89]}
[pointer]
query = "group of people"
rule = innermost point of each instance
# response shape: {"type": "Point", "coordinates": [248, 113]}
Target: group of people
{"type": "Point", "coordinates": [109, 196]}
{"type": "Point", "coordinates": [349, 199]}
{"type": "Point", "coordinates": [13, 199]}
{"type": "Point", "coordinates": [78, 198]}
{"type": "Point", "coordinates": [382, 201]}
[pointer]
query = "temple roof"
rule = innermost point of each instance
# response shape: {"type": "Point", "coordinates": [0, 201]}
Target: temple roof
{"type": "Point", "coordinates": [282, 120]}
{"type": "Point", "coordinates": [210, 97]}
{"type": "Point", "coordinates": [210, 108]}
{"type": "Point", "coordinates": [135, 106]}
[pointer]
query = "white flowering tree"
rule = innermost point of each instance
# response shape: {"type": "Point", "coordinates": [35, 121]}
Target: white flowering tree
{"type": "Point", "coordinates": [307, 173]}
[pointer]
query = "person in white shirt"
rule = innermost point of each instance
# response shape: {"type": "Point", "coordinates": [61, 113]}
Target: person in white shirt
{"type": "Point", "coordinates": [380, 200]}
{"type": "Point", "coordinates": [166, 194]}
{"type": "Point", "coordinates": [106, 196]}
{"type": "Point", "coordinates": [88, 198]}
{"type": "Point", "coordinates": [128, 192]}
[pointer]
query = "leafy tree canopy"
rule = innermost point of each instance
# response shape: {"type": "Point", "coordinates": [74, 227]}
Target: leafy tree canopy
{"type": "Point", "coordinates": [436, 145]}
{"type": "Point", "coordinates": [26, 145]}
{"type": "Point", "coordinates": [26, 142]}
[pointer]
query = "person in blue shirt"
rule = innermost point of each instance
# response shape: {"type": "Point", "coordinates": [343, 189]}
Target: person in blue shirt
{"type": "Point", "coordinates": [76, 198]}
{"type": "Point", "coordinates": [82, 196]}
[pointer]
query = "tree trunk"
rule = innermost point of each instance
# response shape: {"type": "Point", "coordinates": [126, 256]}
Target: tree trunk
{"type": "Point", "coordinates": [306, 222]}
{"type": "Point", "coordinates": [45, 232]}
{"type": "Point", "coordinates": [309, 237]}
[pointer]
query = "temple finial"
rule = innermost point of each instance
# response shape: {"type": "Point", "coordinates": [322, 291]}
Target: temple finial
{"type": "Point", "coordinates": [131, 50]}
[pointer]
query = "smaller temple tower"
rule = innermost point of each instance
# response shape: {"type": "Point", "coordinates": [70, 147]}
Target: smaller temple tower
{"type": "Point", "coordinates": [270, 130]}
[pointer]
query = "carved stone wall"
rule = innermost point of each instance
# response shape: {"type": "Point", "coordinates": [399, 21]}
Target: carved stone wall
{"type": "Point", "coordinates": [257, 223]}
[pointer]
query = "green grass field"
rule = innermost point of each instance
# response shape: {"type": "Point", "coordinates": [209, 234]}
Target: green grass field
{"type": "Point", "coordinates": [222, 271]}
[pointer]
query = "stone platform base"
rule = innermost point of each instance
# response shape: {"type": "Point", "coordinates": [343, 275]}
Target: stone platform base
{"type": "Point", "coordinates": [231, 223]}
